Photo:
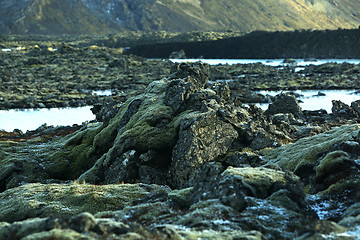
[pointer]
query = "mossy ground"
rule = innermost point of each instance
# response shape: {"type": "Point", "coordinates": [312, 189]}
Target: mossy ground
{"type": "Point", "coordinates": [42, 200]}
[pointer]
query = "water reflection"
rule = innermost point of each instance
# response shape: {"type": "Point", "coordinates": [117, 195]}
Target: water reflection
{"type": "Point", "coordinates": [33, 118]}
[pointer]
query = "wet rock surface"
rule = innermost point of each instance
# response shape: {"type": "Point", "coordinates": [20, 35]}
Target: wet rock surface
{"type": "Point", "coordinates": [182, 158]}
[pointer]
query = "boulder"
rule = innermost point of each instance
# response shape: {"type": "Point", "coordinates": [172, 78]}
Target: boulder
{"type": "Point", "coordinates": [270, 197]}
{"type": "Point", "coordinates": [341, 109]}
{"type": "Point", "coordinates": [333, 163]}
{"type": "Point", "coordinates": [304, 151]}
{"type": "Point", "coordinates": [202, 139]}
{"type": "Point", "coordinates": [266, 181]}
{"type": "Point", "coordinates": [284, 103]}
{"type": "Point", "coordinates": [185, 80]}
{"type": "Point", "coordinates": [356, 107]}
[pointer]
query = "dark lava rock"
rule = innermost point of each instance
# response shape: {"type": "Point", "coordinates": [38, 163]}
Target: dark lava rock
{"type": "Point", "coordinates": [341, 109]}
{"type": "Point", "coordinates": [284, 103]}
{"type": "Point", "coordinates": [201, 140]}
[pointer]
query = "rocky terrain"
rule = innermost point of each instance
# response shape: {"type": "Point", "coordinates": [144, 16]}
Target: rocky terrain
{"type": "Point", "coordinates": [184, 158]}
{"type": "Point", "coordinates": [59, 75]}
{"type": "Point", "coordinates": [51, 17]}
{"type": "Point", "coordinates": [40, 72]}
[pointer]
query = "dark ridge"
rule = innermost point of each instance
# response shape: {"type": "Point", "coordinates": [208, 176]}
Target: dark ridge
{"type": "Point", "coordinates": [342, 43]}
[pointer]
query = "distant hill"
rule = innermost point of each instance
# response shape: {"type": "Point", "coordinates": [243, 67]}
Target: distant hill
{"type": "Point", "coordinates": [111, 16]}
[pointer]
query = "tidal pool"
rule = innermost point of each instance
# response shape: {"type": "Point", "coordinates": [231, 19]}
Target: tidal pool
{"type": "Point", "coordinates": [30, 119]}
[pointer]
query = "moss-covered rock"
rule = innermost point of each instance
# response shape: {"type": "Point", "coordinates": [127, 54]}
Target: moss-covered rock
{"type": "Point", "coordinates": [159, 131]}
{"type": "Point", "coordinates": [304, 151]}
{"type": "Point", "coordinates": [333, 162]}
{"type": "Point", "coordinates": [327, 163]}
{"type": "Point", "coordinates": [42, 200]}
{"type": "Point", "coordinates": [67, 234]}
{"type": "Point", "coordinates": [75, 154]}
{"type": "Point", "coordinates": [26, 161]}
{"type": "Point", "coordinates": [202, 139]}
{"type": "Point", "coordinates": [332, 202]}
{"type": "Point", "coordinates": [264, 181]}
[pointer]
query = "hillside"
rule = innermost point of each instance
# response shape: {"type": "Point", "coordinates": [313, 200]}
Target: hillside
{"type": "Point", "coordinates": [110, 16]}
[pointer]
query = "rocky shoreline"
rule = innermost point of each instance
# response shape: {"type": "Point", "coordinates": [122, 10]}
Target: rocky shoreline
{"type": "Point", "coordinates": [174, 152]}
{"type": "Point", "coordinates": [183, 158]}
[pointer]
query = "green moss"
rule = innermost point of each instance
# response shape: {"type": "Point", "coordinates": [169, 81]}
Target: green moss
{"type": "Point", "coordinates": [67, 234]}
{"type": "Point", "coordinates": [104, 140]}
{"type": "Point", "coordinates": [305, 150]}
{"type": "Point", "coordinates": [43, 200]}
{"type": "Point", "coordinates": [182, 197]}
{"type": "Point", "coordinates": [73, 159]}
{"type": "Point", "coordinates": [349, 187]}
{"type": "Point", "coordinates": [330, 164]}
{"type": "Point", "coordinates": [259, 176]}
{"type": "Point", "coordinates": [145, 131]}
{"type": "Point", "coordinates": [58, 165]}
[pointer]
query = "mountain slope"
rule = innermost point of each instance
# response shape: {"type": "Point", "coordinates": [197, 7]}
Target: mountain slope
{"type": "Point", "coordinates": [106, 16]}
{"type": "Point", "coordinates": [49, 17]}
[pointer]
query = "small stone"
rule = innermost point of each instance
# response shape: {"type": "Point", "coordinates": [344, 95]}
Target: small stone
{"type": "Point", "coordinates": [82, 222]}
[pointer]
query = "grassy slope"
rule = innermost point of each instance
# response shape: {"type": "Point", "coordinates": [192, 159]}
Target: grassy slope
{"type": "Point", "coordinates": [272, 15]}
{"type": "Point", "coordinates": [50, 16]}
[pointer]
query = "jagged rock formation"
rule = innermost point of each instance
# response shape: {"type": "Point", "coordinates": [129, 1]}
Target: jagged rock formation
{"type": "Point", "coordinates": [93, 17]}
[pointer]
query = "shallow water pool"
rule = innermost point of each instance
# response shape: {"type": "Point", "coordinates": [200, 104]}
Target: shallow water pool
{"type": "Point", "coordinates": [33, 118]}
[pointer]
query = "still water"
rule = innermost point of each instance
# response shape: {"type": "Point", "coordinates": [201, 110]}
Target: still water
{"type": "Point", "coordinates": [33, 118]}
